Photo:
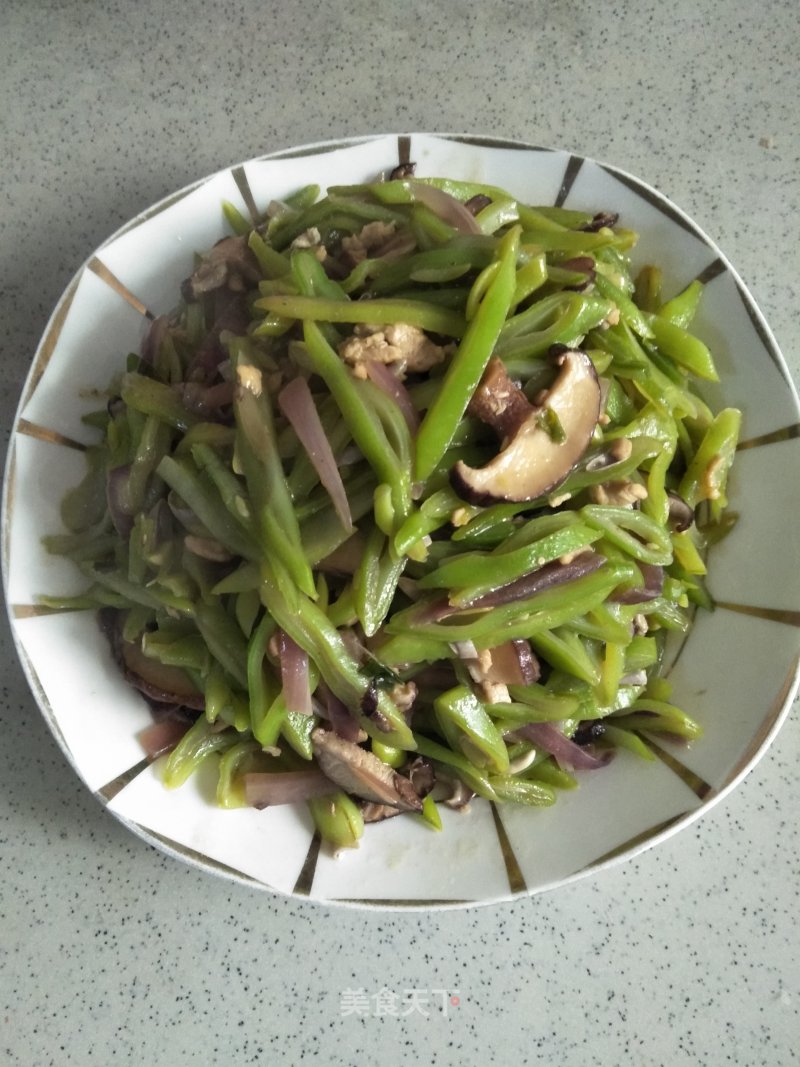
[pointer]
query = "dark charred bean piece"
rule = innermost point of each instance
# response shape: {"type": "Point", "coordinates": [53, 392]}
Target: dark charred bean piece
{"type": "Point", "coordinates": [588, 731]}
{"type": "Point", "coordinates": [681, 516]}
{"type": "Point", "coordinates": [369, 701]}
{"type": "Point", "coordinates": [601, 219]}
{"type": "Point", "coordinates": [581, 265]}
{"type": "Point", "coordinates": [404, 170]}
{"type": "Point", "coordinates": [477, 203]}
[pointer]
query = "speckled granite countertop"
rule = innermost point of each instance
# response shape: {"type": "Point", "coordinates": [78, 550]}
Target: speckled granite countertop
{"type": "Point", "coordinates": [110, 952]}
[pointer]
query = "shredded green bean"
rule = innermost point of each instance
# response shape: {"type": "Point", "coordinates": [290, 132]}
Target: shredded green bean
{"type": "Point", "coordinates": [441, 628]}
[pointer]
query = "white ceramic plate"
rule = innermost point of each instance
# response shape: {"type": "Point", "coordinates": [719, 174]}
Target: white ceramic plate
{"type": "Point", "coordinates": [736, 674]}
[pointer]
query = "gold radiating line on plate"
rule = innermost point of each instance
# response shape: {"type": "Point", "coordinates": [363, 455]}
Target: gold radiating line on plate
{"type": "Point", "coordinates": [766, 726]}
{"type": "Point", "coordinates": [785, 433]}
{"type": "Point", "coordinates": [200, 857]}
{"type": "Point", "coordinates": [570, 174]}
{"type": "Point", "coordinates": [712, 271]}
{"type": "Point", "coordinates": [654, 200]}
{"type": "Point", "coordinates": [305, 878]}
{"type": "Point", "coordinates": [698, 785]}
{"type": "Point", "coordinates": [784, 615]}
{"type": "Point", "coordinates": [99, 268]}
{"type": "Point", "coordinates": [243, 185]}
{"type": "Point", "coordinates": [516, 881]}
{"type": "Point", "coordinates": [116, 785]}
{"type": "Point", "coordinates": [633, 842]}
{"type": "Point", "coordinates": [403, 149]}
{"type": "Point", "coordinates": [50, 340]}
{"type": "Point", "coordinates": [53, 437]}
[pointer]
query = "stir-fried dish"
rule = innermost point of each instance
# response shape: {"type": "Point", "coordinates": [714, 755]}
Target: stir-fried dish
{"type": "Point", "coordinates": [400, 504]}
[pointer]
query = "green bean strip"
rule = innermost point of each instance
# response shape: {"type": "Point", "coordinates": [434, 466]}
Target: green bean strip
{"type": "Point", "coordinates": [261, 687]}
{"type": "Point", "coordinates": [470, 775]}
{"type": "Point", "coordinates": [204, 501]}
{"type": "Point", "coordinates": [317, 309]}
{"type": "Point", "coordinates": [526, 618]}
{"type": "Point", "coordinates": [468, 364]}
{"type": "Point", "coordinates": [258, 454]}
{"type": "Point", "coordinates": [155, 398]}
{"type": "Point", "coordinates": [521, 791]}
{"type": "Point", "coordinates": [475, 574]}
{"type": "Point", "coordinates": [194, 747]}
{"type": "Point", "coordinates": [310, 628]}
{"type": "Point", "coordinates": [232, 538]}
{"type": "Point", "coordinates": [365, 428]}
{"type": "Point", "coordinates": [338, 819]}
{"type": "Point", "coordinates": [224, 640]}
{"type": "Point", "coordinates": [682, 308]}
{"type": "Point", "coordinates": [707, 475]}
{"type": "Point", "coordinates": [632, 531]}
{"type": "Point", "coordinates": [686, 350]}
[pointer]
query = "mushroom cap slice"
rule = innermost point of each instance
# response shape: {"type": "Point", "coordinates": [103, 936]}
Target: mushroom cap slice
{"type": "Point", "coordinates": [361, 773]}
{"type": "Point", "coordinates": [532, 462]}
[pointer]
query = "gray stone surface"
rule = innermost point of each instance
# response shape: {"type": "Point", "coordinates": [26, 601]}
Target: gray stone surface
{"type": "Point", "coordinates": [112, 953]}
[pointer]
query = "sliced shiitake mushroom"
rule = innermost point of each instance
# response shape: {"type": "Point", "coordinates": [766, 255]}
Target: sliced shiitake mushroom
{"type": "Point", "coordinates": [359, 772]}
{"type": "Point", "coordinates": [533, 459]}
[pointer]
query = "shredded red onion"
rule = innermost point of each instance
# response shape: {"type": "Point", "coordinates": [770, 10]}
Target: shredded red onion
{"type": "Point", "coordinates": [552, 574]}
{"type": "Point", "coordinates": [546, 735]}
{"type": "Point", "coordinates": [294, 674]}
{"type": "Point", "coordinates": [389, 383]}
{"type": "Point", "coordinates": [162, 736]}
{"type": "Point", "coordinates": [285, 787]}
{"type": "Point", "coordinates": [446, 207]}
{"type": "Point", "coordinates": [341, 719]}
{"type": "Point", "coordinates": [555, 573]}
{"type": "Point", "coordinates": [652, 588]}
{"type": "Point", "coordinates": [297, 405]}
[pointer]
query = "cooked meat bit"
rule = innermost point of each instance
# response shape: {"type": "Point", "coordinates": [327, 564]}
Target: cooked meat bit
{"type": "Point", "coordinates": [403, 695]}
{"type": "Point", "coordinates": [406, 348]}
{"type": "Point", "coordinates": [620, 494]}
{"type": "Point", "coordinates": [361, 773]}
{"type": "Point", "coordinates": [249, 378]}
{"type": "Point", "coordinates": [358, 246]}
{"type": "Point", "coordinates": [312, 240]}
{"type": "Point", "coordinates": [229, 263]}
